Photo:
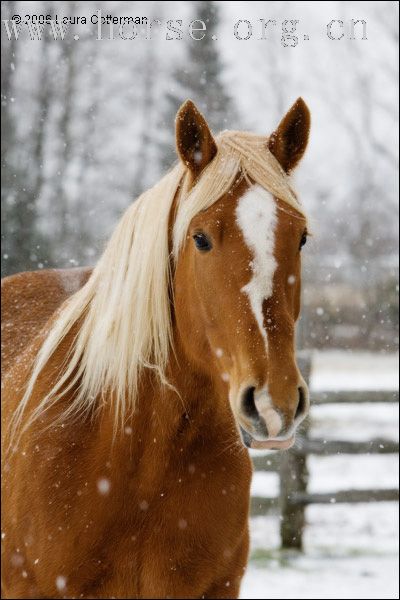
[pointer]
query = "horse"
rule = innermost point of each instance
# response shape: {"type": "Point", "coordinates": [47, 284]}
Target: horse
{"type": "Point", "coordinates": [132, 391]}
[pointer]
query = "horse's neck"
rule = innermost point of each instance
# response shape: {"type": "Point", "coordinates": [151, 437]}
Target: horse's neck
{"type": "Point", "coordinates": [187, 407]}
{"type": "Point", "coordinates": [171, 425]}
{"type": "Point", "coordinates": [159, 441]}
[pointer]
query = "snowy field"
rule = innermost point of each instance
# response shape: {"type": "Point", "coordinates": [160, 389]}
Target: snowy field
{"type": "Point", "coordinates": [351, 550]}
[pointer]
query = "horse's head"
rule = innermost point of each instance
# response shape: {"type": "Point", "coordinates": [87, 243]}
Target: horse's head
{"type": "Point", "coordinates": [237, 281]}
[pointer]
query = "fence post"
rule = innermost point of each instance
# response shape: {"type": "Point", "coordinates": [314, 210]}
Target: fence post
{"type": "Point", "coordinates": [293, 477]}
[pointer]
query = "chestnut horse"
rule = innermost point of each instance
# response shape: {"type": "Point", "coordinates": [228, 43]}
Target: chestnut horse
{"type": "Point", "coordinates": [131, 391]}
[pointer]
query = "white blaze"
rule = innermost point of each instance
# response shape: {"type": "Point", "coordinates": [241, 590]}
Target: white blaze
{"type": "Point", "coordinates": [267, 411]}
{"type": "Point", "coordinates": [256, 215]}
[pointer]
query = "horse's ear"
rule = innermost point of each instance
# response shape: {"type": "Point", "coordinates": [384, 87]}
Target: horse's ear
{"type": "Point", "coordinates": [194, 141]}
{"type": "Point", "coordinates": [289, 141]}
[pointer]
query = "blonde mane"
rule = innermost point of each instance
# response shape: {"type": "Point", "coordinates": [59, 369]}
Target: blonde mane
{"type": "Point", "coordinates": [124, 309]}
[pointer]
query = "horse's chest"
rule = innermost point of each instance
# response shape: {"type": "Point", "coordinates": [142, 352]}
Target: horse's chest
{"type": "Point", "coordinates": [199, 503]}
{"type": "Point", "coordinates": [191, 524]}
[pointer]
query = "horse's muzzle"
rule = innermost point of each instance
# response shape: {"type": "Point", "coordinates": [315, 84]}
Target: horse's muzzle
{"type": "Point", "coordinates": [263, 425]}
{"type": "Point", "coordinates": [270, 444]}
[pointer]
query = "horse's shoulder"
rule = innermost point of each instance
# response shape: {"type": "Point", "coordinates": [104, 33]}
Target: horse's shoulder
{"type": "Point", "coordinates": [29, 299]}
{"type": "Point", "coordinates": [39, 293]}
{"type": "Point", "coordinates": [69, 279]}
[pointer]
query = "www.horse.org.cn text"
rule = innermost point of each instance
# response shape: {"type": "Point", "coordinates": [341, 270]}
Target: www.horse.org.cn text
{"type": "Point", "coordinates": [287, 32]}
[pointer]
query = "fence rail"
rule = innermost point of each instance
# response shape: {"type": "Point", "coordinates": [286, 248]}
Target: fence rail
{"type": "Point", "coordinates": [261, 505]}
{"type": "Point", "coordinates": [354, 396]}
{"type": "Point", "coordinates": [293, 471]}
{"type": "Point", "coordinates": [332, 447]}
{"type": "Point", "coordinates": [384, 495]}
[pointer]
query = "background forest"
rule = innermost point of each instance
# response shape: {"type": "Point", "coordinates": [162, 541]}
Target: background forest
{"type": "Point", "coordinates": [88, 125]}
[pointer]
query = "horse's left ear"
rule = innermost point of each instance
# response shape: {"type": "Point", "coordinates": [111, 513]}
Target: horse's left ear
{"type": "Point", "coordinates": [289, 141]}
{"type": "Point", "coordinates": [194, 141]}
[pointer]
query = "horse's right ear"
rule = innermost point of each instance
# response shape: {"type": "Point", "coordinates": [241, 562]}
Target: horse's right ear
{"type": "Point", "coordinates": [289, 141]}
{"type": "Point", "coordinates": [194, 141]}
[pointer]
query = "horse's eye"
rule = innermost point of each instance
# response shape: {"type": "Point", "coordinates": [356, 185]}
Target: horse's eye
{"type": "Point", "coordinates": [303, 240]}
{"type": "Point", "coordinates": [202, 242]}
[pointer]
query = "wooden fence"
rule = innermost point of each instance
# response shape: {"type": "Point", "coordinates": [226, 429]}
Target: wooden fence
{"type": "Point", "coordinates": [293, 471]}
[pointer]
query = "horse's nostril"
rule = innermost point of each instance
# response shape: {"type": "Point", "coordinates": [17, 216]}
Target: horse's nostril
{"type": "Point", "coordinates": [301, 406]}
{"type": "Point", "coordinates": [248, 404]}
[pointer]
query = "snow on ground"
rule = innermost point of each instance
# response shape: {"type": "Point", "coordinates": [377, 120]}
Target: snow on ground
{"type": "Point", "coordinates": [325, 577]}
{"type": "Point", "coordinates": [334, 370]}
{"type": "Point", "coordinates": [351, 550]}
{"type": "Point", "coordinates": [333, 473]}
{"type": "Point", "coordinates": [355, 422]}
